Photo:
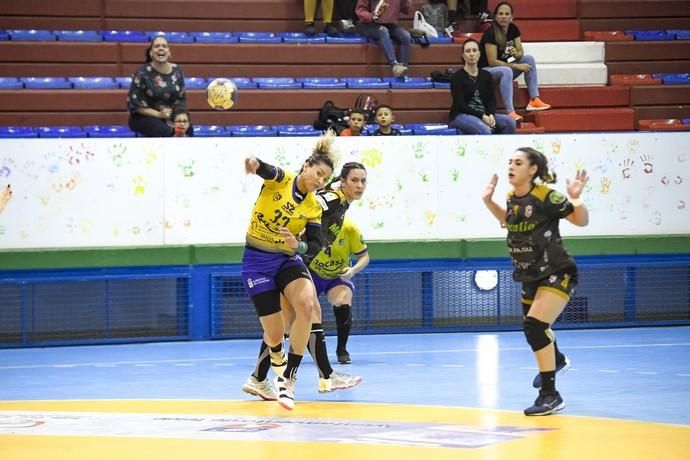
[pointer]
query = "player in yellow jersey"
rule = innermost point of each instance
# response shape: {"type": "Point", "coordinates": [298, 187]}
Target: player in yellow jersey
{"type": "Point", "coordinates": [271, 264]}
{"type": "Point", "coordinates": [334, 201]}
{"type": "Point", "coordinates": [541, 263]}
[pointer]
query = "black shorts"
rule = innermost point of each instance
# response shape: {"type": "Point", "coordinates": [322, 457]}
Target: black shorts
{"type": "Point", "coordinates": [268, 303]}
{"type": "Point", "coordinates": [563, 283]}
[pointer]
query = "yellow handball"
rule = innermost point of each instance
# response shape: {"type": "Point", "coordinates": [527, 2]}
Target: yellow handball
{"type": "Point", "coordinates": [221, 94]}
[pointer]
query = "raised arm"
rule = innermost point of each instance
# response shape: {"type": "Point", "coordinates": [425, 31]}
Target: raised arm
{"type": "Point", "coordinates": [580, 214]}
{"type": "Point", "coordinates": [488, 198]}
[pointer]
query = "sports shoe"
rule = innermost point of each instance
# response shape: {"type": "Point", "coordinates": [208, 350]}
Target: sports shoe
{"type": "Point", "coordinates": [399, 70]}
{"type": "Point", "coordinates": [537, 104]}
{"type": "Point", "coordinates": [516, 116]}
{"type": "Point", "coordinates": [278, 361]}
{"type": "Point", "coordinates": [343, 356]}
{"type": "Point", "coordinates": [546, 404]}
{"type": "Point", "coordinates": [330, 29]}
{"type": "Point", "coordinates": [261, 388]}
{"type": "Point", "coordinates": [348, 27]}
{"type": "Point", "coordinates": [286, 391]}
{"type": "Point", "coordinates": [338, 381]}
{"type": "Point", "coordinates": [309, 29]}
{"type": "Point", "coordinates": [561, 368]}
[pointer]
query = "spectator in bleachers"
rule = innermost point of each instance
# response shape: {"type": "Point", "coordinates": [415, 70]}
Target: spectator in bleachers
{"type": "Point", "coordinates": [310, 13]}
{"type": "Point", "coordinates": [182, 122]}
{"type": "Point", "coordinates": [355, 123]}
{"type": "Point", "coordinates": [5, 196]}
{"type": "Point", "coordinates": [478, 8]}
{"type": "Point", "coordinates": [157, 88]}
{"type": "Point", "coordinates": [384, 118]}
{"type": "Point", "coordinates": [474, 102]}
{"type": "Point", "coordinates": [347, 16]}
{"type": "Point", "coordinates": [504, 57]}
{"type": "Point", "coordinates": [378, 19]}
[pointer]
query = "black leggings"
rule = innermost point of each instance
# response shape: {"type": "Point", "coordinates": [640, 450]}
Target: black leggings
{"type": "Point", "coordinates": [345, 9]}
{"type": "Point", "coordinates": [147, 126]}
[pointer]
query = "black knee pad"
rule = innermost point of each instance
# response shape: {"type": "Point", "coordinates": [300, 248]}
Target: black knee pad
{"type": "Point", "coordinates": [267, 303]}
{"type": "Point", "coordinates": [538, 333]}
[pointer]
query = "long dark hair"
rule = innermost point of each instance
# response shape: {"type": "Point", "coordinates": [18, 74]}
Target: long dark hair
{"type": "Point", "coordinates": [498, 32]}
{"type": "Point", "coordinates": [148, 50]}
{"type": "Point", "coordinates": [535, 157]}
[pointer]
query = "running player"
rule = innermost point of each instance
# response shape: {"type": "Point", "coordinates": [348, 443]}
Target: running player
{"type": "Point", "coordinates": [541, 262]}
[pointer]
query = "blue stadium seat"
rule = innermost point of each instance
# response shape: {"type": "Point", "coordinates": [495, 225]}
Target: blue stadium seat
{"type": "Point", "coordinates": [682, 34]}
{"type": "Point", "coordinates": [124, 82]}
{"type": "Point", "coordinates": [650, 35]}
{"type": "Point", "coordinates": [16, 132]}
{"type": "Point", "coordinates": [296, 130]}
{"type": "Point", "coordinates": [686, 121]}
{"type": "Point", "coordinates": [79, 36]}
{"type": "Point", "coordinates": [4, 36]}
{"type": "Point", "coordinates": [299, 37]}
{"type": "Point", "coordinates": [46, 83]}
{"type": "Point", "coordinates": [347, 39]}
{"type": "Point", "coordinates": [108, 131]}
{"type": "Point", "coordinates": [195, 83]}
{"type": "Point", "coordinates": [93, 83]}
{"type": "Point", "coordinates": [251, 131]}
{"type": "Point", "coordinates": [214, 37]}
{"type": "Point", "coordinates": [210, 131]}
{"type": "Point", "coordinates": [321, 83]}
{"type": "Point", "coordinates": [440, 40]}
{"type": "Point", "coordinates": [258, 37]}
{"type": "Point", "coordinates": [677, 79]}
{"type": "Point", "coordinates": [10, 83]}
{"type": "Point", "coordinates": [410, 82]}
{"type": "Point", "coordinates": [125, 36]}
{"type": "Point", "coordinates": [172, 37]}
{"type": "Point", "coordinates": [242, 82]}
{"type": "Point", "coordinates": [60, 131]}
{"type": "Point", "coordinates": [366, 82]}
{"type": "Point", "coordinates": [431, 129]}
{"type": "Point", "coordinates": [31, 35]}
{"type": "Point", "coordinates": [277, 83]}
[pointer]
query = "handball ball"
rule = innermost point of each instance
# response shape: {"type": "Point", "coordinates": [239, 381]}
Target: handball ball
{"type": "Point", "coordinates": [221, 94]}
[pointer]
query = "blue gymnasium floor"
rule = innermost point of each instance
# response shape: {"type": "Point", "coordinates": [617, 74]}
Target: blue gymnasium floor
{"type": "Point", "coordinates": [636, 374]}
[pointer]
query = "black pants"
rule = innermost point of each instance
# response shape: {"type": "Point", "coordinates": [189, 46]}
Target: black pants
{"type": "Point", "coordinates": [152, 127]}
{"type": "Point", "coordinates": [345, 9]}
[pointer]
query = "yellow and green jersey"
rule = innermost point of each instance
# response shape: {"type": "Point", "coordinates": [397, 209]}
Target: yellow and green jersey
{"type": "Point", "coordinates": [333, 259]}
{"type": "Point", "coordinates": [281, 204]}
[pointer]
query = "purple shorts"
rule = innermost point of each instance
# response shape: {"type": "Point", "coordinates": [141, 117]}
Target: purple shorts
{"type": "Point", "coordinates": [324, 285]}
{"type": "Point", "coordinates": [260, 269]}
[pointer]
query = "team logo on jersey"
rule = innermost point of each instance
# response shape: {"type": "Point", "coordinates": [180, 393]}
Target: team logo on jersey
{"type": "Point", "coordinates": [528, 211]}
{"type": "Point", "coordinates": [556, 197]}
{"type": "Point", "coordinates": [516, 209]}
{"type": "Point", "coordinates": [341, 242]}
{"type": "Point", "coordinates": [277, 196]}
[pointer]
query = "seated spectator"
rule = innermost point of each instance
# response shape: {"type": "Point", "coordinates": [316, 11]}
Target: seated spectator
{"type": "Point", "coordinates": [504, 58]}
{"type": "Point", "coordinates": [157, 87]}
{"type": "Point", "coordinates": [181, 122]}
{"type": "Point", "coordinates": [474, 102]}
{"type": "Point", "coordinates": [381, 23]}
{"type": "Point", "coordinates": [384, 118]}
{"type": "Point", "coordinates": [346, 13]}
{"type": "Point", "coordinates": [310, 13]}
{"type": "Point", "coordinates": [478, 8]}
{"type": "Point", "coordinates": [355, 123]}
{"type": "Point", "coordinates": [5, 196]}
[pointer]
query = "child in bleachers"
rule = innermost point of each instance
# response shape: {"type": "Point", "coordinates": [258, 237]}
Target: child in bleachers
{"type": "Point", "coordinates": [384, 118]}
{"type": "Point", "coordinates": [355, 123]}
{"type": "Point", "coordinates": [181, 122]}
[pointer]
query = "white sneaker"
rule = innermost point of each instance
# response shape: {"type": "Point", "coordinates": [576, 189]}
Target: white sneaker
{"type": "Point", "coordinates": [286, 391]}
{"type": "Point", "coordinates": [278, 361]}
{"type": "Point", "coordinates": [261, 388]}
{"type": "Point", "coordinates": [338, 381]}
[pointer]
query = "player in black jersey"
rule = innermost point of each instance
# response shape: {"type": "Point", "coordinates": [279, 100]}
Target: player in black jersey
{"type": "Point", "coordinates": [541, 262]}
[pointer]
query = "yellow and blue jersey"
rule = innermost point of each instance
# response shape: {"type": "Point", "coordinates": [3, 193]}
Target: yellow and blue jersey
{"type": "Point", "coordinates": [333, 259]}
{"type": "Point", "coordinates": [280, 204]}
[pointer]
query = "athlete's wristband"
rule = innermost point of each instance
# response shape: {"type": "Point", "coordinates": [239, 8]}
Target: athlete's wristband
{"type": "Point", "coordinates": [302, 247]}
{"type": "Point", "coordinates": [577, 202]}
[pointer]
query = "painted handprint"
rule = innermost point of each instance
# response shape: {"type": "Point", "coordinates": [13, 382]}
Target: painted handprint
{"type": "Point", "coordinates": [460, 148]}
{"type": "Point", "coordinates": [6, 167]}
{"type": "Point", "coordinates": [633, 144]}
{"type": "Point", "coordinates": [556, 146]}
{"type": "Point", "coordinates": [626, 168]}
{"type": "Point", "coordinates": [187, 170]}
{"type": "Point", "coordinates": [647, 165]}
{"type": "Point", "coordinates": [372, 157]}
{"type": "Point", "coordinates": [139, 186]}
{"type": "Point", "coordinates": [117, 153]}
{"type": "Point", "coordinates": [605, 185]}
{"type": "Point", "coordinates": [419, 150]}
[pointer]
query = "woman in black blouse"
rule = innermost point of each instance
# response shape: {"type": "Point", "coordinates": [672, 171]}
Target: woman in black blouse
{"type": "Point", "coordinates": [157, 88]}
{"type": "Point", "coordinates": [474, 102]}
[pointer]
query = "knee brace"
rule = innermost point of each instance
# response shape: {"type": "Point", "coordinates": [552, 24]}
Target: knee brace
{"type": "Point", "coordinates": [538, 333]}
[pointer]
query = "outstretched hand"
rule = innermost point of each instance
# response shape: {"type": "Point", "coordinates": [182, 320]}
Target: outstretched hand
{"type": "Point", "coordinates": [576, 186]}
{"type": "Point", "coordinates": [251, 164]}
{"type": "Point", "coordinates": [488, 193]}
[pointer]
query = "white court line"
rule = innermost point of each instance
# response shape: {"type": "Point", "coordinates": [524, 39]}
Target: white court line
{"type": "Point", "coordinates": [144, 365]}
{"type": "Point", "coordinates": [184, 364]}
{"type": "Point", "coordinates": [683, 375]}
{"type": "Point", "coordinates": [609, 371]}
{"type": "Point", "coordinates": [379, 353]}
{"type": "Point", "coordinates": [646, 373]}
{"type": "Point", "coordinates": [453, 365]}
